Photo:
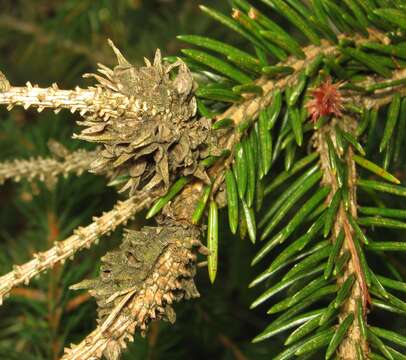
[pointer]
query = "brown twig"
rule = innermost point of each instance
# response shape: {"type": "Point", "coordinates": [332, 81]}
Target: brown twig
{"type": "Point", "coordinates": [152, 339]}
{"type": "Point", "coordinates": [85, 101]}
{"type": "Point", "coordinates": [380, 97]}
{"type": "Point", "coordinates": [74, 303]}
{"type": "Point", "coordinates": [227, 343]}
{"type": "Point", "coordinates": [30, 294]}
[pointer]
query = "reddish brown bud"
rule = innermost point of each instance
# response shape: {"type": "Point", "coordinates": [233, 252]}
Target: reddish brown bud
{"type": "Point", "coordinates": [326, 100]}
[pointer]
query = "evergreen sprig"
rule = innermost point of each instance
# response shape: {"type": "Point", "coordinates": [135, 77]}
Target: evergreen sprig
{"type": "Point", "coordinates": [328, 107]}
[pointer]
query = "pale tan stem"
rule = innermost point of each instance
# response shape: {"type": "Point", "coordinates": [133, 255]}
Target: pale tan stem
{"type": "Point", "coordinates": [88, 101]}
{"type": "Point", "coordinates": [45, 169]}
{"type": "Point", "coordinates": [83, 237]}
{"type": "Point", "coordinates": [347, 349]}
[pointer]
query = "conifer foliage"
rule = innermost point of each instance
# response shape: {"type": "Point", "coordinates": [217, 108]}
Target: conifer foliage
{"type": "Point", "coordinates": [299, 132]}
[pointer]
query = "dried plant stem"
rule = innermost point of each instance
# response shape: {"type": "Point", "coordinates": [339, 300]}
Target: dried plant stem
{"type": "Point", "coordinates": [347, 349]}
{"type": "Point", "coordinates": [83, 237]}
{"type": "Point", "coordinates": [44, 169]}
{"type": "Point", "coordinates": [93, 100]}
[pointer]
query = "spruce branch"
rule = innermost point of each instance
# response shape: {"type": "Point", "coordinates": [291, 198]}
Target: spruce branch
{"type": "Point", "coordinates": [47, 169]}
{"type": "Point", "coordinates": [251, 107]}
{"type": "Point", "coordinates": [83, 237]}
{"type": "Point", "coordinates": [115, 112]}
{"type": "Point", "coordinates": [105, 103]}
